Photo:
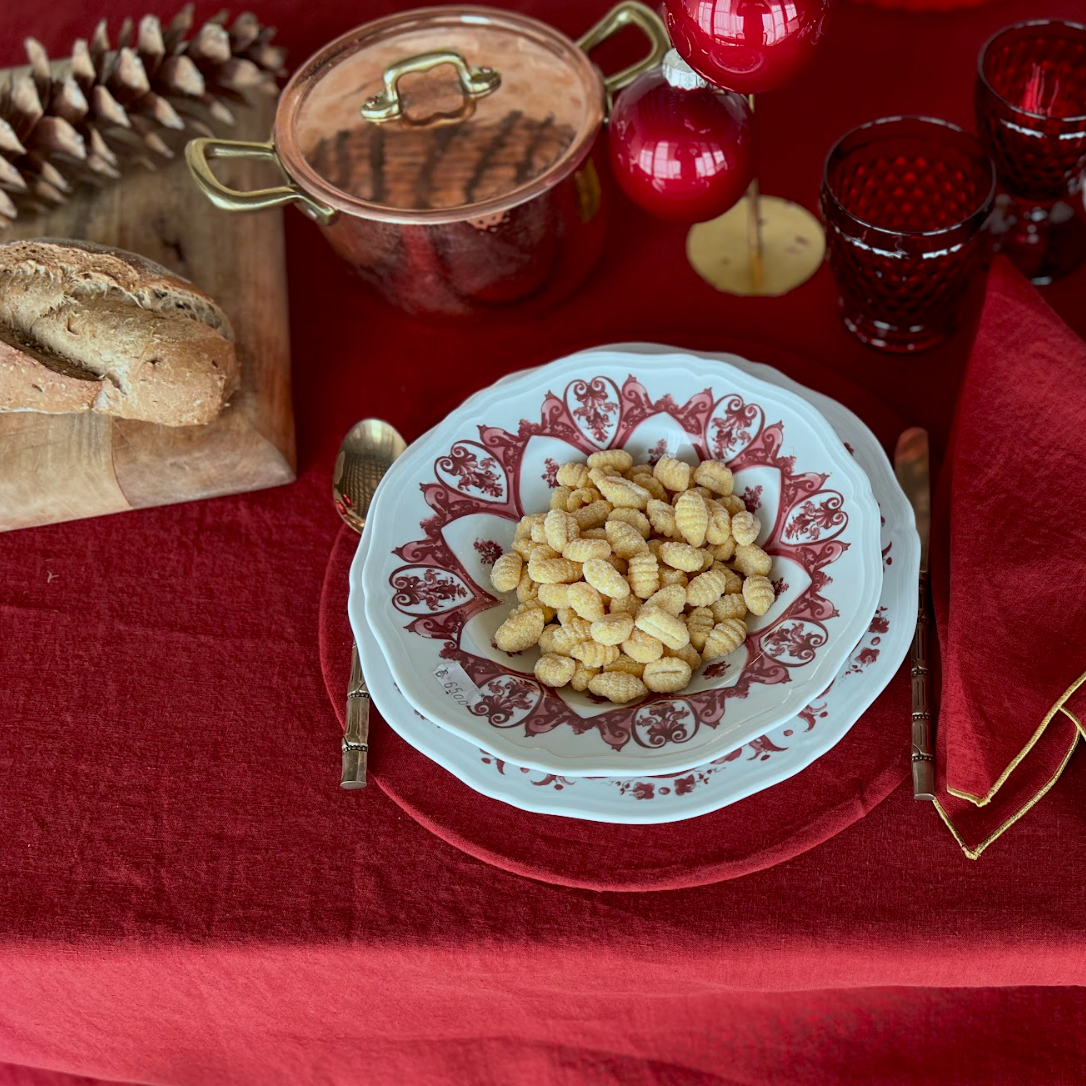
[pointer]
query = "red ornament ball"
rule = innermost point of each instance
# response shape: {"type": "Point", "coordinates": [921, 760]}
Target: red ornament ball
{"type": "Point", "coordinates": [682, 155]}
{"type": "Point", "coordinates": [749, 46]}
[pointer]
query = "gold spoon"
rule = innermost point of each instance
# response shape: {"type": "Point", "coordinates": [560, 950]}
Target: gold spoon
{"type": "Point", "coordinates": [364, 456]}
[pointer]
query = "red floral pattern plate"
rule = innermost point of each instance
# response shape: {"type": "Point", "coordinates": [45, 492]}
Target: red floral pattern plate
{"type": "Point", "coordinates": [765, 760]}
{"type": "Point", "coordinates": [455, 496]}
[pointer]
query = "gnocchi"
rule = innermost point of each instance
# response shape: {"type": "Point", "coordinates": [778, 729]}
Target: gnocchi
{"type": "Point", "coordinates": [635, 576]}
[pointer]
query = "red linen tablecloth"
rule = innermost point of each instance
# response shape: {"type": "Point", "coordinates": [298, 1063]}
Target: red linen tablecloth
{"type": "Point", "coordinates": [188, 898]}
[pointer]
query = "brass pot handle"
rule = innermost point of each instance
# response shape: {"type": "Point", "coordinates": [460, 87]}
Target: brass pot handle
{"type": "Point", "coordinates": [629, 13]}
{"type": "Point", "coordinates": [474, 83]}
{"type": "Point", "coordinates": [199, 154]}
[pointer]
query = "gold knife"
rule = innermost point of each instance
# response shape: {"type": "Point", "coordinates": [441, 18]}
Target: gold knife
{"type": "Point", "coordinates": [911, 465]}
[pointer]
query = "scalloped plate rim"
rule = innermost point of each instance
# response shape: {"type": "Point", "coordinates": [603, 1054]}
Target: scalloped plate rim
{"type": "Point", "coordinates": [545, 802]}
{"type": "Point", "coordinates": [462, 760]}
{"type": "Point", "coordinates": [848, 477]}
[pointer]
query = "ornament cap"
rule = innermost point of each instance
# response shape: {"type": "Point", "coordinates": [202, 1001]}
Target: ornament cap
{"type": "Point", "coordinates": [679, 74]}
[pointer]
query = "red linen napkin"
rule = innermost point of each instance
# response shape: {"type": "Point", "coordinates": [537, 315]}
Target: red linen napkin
{"type": "Point", "coordinates": [1009, 566]}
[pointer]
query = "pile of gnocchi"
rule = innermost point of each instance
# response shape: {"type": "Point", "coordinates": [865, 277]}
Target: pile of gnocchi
{"type": "Point", "coordinates": [636, 576]}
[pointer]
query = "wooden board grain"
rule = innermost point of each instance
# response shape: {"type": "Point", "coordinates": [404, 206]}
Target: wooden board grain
{"type": "Point", "coordinates": [62, 467]}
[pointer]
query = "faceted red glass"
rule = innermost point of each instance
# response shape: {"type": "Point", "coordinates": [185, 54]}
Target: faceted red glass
{"type": "Point", "coordinates": [1031, 114]}
{"type": "Point", "coordinates": [905, 201]}
{"type": "Point", "coordinates": [682, 155]}
{"type": "Point", "coordinates": [748, 46]}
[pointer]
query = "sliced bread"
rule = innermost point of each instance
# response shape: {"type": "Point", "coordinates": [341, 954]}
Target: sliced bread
{"type": "Point", "coordinates": [83, 327]}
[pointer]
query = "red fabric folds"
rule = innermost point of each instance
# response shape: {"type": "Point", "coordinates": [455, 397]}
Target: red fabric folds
{"type": "Point", "coordinates": [888, 1036]}
{"type": "Point", "coordinates": [1009, 575]}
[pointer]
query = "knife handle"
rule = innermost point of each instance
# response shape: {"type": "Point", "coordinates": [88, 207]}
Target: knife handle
{"type": "Point", "coordinates": [357, 733]}
{"type": "Point", "coordinates": [923, 754]}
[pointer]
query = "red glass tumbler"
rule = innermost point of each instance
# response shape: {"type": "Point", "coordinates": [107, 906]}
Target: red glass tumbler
{"type": "Point", "coordinates": [905, 200]}
{"type": "Point", "coordinates": [1031, 115]}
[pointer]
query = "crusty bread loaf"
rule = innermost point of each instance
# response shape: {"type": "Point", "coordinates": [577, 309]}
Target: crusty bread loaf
{"type": "Point", "coordinates": [84, 328]}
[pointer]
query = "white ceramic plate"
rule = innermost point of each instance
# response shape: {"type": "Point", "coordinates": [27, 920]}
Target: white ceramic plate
{"type": "Point", "coordinates": [449, 506]}
{"type": "Point", "coordinates": [766, 760]}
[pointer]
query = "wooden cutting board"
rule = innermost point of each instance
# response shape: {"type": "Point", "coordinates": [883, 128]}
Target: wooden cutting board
{"type": "Point", "coordinates": [62, 467]}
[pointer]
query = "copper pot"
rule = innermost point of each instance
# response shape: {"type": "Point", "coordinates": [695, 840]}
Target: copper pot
{"type": "Point", "coordinates": [447, 153]}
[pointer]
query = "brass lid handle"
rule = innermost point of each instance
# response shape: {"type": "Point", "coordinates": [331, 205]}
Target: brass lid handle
{"type": "Point", "coordinates": [474, 83]}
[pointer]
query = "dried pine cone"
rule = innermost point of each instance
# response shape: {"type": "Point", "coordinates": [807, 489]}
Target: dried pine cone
{"type": "Point", "coordinates": [107, 108]}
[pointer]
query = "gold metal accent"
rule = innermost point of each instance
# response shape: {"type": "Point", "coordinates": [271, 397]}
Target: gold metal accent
{"type": "Point", "coordinates": [1059, 706]}
{"type": "Point", "coordinates": [791, 243]}
{"type": "Point", "coordinates": [974, 853]}
{"type": "Point", "coordinates": [589, 191]}
{"type": "Point", "coordinates": [200, 152]}
{"type": "Point", "coordinates": [754, 237]}
{"type": "Point", "coordinates": [923, 755]}
{"type": "Point", "coordinates": [764, 246]}
{"type": "Point", "coordinates": [913, 470]}
{"type": "Point", "coordinates": [474, 83]}
{"type": "Point", "coordinates": [356, 735]}
{"type": "Point", "coordinates": [365, 454]}
{"type": "Point", "coordinates": [629, 13]}
{"type": "Point", "coordinates": [754, 227]}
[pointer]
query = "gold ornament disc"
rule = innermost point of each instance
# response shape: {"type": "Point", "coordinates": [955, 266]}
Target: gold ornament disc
{"type": "Point", "coordinates": [793, 245]}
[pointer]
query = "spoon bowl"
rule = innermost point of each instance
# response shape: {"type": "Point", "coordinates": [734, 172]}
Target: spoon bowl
{"type": "Point", "coordinates": [364, 456]}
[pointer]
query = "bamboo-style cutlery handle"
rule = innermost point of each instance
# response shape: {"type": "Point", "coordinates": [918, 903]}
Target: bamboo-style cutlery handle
{"type": "Point", "coordinates": [923, 755]}
{"type": "Point", "coordinates": [357, 733]}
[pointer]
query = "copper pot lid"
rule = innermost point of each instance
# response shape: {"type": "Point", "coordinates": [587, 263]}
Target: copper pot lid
{"type": "Point", "coordinates": [486, 109]}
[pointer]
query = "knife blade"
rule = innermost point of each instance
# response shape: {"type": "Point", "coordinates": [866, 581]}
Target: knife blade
{"type": "Point", "coordinates": [912, 467]}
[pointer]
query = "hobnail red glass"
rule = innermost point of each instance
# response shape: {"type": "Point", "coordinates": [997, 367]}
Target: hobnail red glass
{"type": "Point", "coordinates": [905, 201]}
{"type": "Point", "coordinates": [682, 155]}
{"type": "Point", "coordinates": [750, 46]}
{"type": "Point", "coordinates": [1031, 114]}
